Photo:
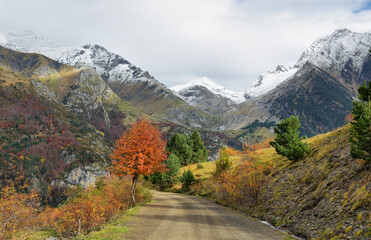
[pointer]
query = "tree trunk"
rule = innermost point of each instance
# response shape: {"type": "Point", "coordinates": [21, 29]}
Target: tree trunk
{"type": "Point", "coordinates": [133, 185]}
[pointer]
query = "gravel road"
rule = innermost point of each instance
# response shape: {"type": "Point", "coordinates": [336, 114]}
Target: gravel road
{"type": "Point", "coordinates": [177, 216]}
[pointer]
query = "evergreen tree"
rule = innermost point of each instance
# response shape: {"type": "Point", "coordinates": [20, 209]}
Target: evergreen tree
{"type": "Point", "coordinates": [187, 179]}
{"type": "Point", "coordinates": [189, 150]}
{"type": "Point", "coordinates": [179, 145]}
{"type": "Point", "coordinates": [223, 163]}
{"type": "Point", "coordinates": [360, 131]}
{"type": "Point", "coordinates": [199, 150]}
{"type": "Point", "coordinates": [287, 142]}
{"type": "Point", "coordinates": [169, 177]}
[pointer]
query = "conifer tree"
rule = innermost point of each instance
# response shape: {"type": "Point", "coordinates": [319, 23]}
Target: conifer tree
{"type": "Point", "coordinates": [188, 149]}
{"type": "Point", "coordinates": [360, 131]}
{"type": "Point", "coordinates": [287, 142]}
{"type": "Point", "coordinates": [187, 179]}
{"type": "Point", "coordinates": [179, 145]}
{"type": "Point", "coordinates": [199, 150]}
{"type": "Point", "coordinates": [169, 176]}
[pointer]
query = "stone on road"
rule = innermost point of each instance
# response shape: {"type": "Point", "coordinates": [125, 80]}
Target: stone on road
{"type": "Point", "coordinates": [177, 216]}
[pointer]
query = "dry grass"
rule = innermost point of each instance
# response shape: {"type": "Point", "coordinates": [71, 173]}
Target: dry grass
{"type": "Point", "coordinates": [206, 171]}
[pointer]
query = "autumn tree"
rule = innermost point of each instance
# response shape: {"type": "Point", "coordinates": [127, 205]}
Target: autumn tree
{"type": "Point", "coordinates": [140, 150]}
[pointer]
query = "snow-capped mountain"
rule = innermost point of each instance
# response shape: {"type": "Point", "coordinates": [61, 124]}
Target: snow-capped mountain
{"type": "Point", "coordinates": [110, 66]}
{"type": "Point", "coordinates": [320, 88]}
{"type": "Point", "coordinates": [208, 96]}
{"type": "Point", "coordinates": [183, 90]}
{"type": "Point", "coordinates": [128, 81]}
{"type": "Point", "coordinates": [269, 80]}
{"type": "Point", "coordinates": [337, 50]}
{"type": "Point", "coordinates": [343, 50]}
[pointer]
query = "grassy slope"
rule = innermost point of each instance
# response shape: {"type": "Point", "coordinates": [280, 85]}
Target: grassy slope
{"type": "Point", "coordinates": [326, 195]}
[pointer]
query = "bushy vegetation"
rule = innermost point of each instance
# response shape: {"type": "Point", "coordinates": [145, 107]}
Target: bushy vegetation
{"type": "Point", "coordinates": [222, 164]}
{"type": "Point", "coordinates": [18, 211]}
{"type": "Point", "coordinates": [189, 149]}
{"type": "Point", "coordinates": [360, 131]}
{"type": "Point", "coordinates": [238, 181]}
{"type": "Point", "coordinates": [240, 188]}
{"type": "Point", "coordinates": [287, 141]}
{"type": "Point", "coordinates": [32, 139]}
{"type": "Point", "coordinates": [87, 209]}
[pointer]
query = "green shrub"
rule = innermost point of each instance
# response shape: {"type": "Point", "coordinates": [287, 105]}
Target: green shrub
{"type": "Point", "coordinates": [187, 179]}
{"type": "Point", "coordinates": [222, 164]}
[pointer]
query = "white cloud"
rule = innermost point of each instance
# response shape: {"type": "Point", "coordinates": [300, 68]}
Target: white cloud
{"type": "Point", "coordinates": [229, 41]}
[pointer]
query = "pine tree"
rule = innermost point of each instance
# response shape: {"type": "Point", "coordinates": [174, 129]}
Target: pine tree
{"type": "Point", "coordinates": [360, 131]}
{"type": "Point", "coordinates": [198, 147]}
{"type": "Point", "coordinates": [189, 150]}
{"type": "Point", "coordinates": [187, 179]}
{"type": "Point", "coordinates": [287, 142]}
{"type": "Point", "coordinates": [179, 145]}
{"type": "Point", "coordinates": [169, 176]}
{"type": "Point", "coordinates": [223, 163]}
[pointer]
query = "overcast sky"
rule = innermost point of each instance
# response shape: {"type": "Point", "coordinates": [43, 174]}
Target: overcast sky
{"type": "Point", "coordinates": [230, 41]}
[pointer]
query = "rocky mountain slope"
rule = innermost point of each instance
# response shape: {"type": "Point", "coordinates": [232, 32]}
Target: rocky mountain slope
{"type": "Point", "coordinates": [82, 114]}
{"type": "Point", "coordinates": [128, 81]}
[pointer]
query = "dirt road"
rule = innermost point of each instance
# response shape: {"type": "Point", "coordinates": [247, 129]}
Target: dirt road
{"type": "Point", "coordinates": [177, 216]}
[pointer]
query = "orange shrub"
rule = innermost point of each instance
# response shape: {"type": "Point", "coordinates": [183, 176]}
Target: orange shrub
{"type": "Point", "coordinates": [90, 208]}
{"type": "Point", "coordinates": [241, 187]}
{"type": "Point", "coordinates": [232, 152]}
{"type": "Point", "coordinates": [256, 146]}
{"type": "Point", "coordinates": [17, 211]}
{"type": "Point", "coordinates": [80, 216]}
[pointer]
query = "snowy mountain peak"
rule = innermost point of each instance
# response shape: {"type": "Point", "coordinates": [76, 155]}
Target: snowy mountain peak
{"type": "Point", "coordinates": [211, 86]}
{"type": "Point", "coordinates": [342, 47]}
{"type": "Point", "coordinates": [29, 42]}
{"type": "Point", "coordinates": [204, 82]}
{"type": "Point", "coordinates": [338, 49]}
{"type": "Point", "coordinates": [111, 66]}
{"type": "Point", "coordinates": [269, 80]}
{"type": "Point", "coordinates": [281, 68]}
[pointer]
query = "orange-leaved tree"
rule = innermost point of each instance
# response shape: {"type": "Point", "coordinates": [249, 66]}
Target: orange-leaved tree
{"type": "Point", "coordinates": [140, 150]}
